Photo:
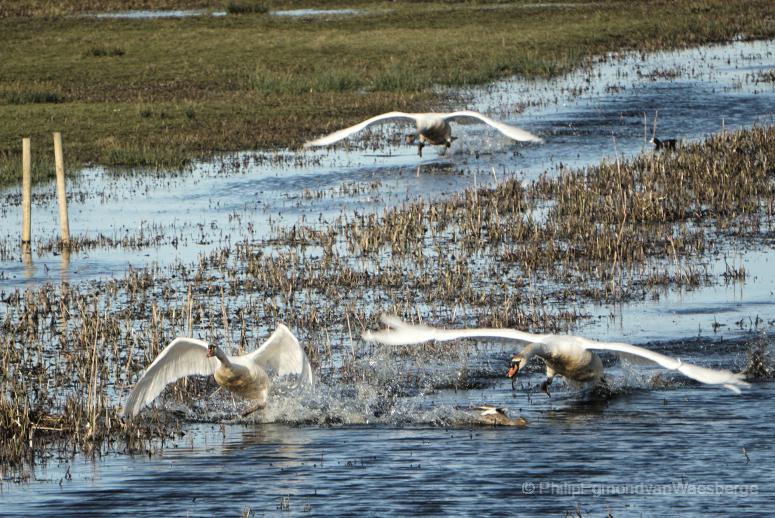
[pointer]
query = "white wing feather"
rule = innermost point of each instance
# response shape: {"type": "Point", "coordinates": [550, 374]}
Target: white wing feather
{"type": "Point", "coordinates": [283, 354]}
{"type": "Point", "coordinates": [346, 132]}
{"type": "Point", "coordinates": [510, 131]}
{"type": "Point", "coordinates": [732, 381]}
{"type": "Point", "coordinates": [407, 334]}
{"type": "Point", "coordinates": [182, 357]}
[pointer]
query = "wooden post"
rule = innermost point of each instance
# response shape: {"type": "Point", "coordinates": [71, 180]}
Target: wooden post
{"type": "Point", "coordinates": [64, 223]}
{"type": "Point", "coordinates": [26, 193]}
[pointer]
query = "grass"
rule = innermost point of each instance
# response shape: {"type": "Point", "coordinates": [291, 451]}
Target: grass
{"type": "Point", "coordinates": [159, 92]}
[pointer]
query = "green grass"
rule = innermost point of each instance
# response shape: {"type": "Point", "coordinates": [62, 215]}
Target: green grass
{"type": "Point", "coordinates": [159, 92]}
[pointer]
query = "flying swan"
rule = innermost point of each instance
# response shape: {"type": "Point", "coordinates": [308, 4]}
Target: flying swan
{"type": "Point", "coordinates": [566, 355]}
{"type": "Point", "coordinates": [244, 375]}
{"type": "Point", "coordinates": [432, 128]}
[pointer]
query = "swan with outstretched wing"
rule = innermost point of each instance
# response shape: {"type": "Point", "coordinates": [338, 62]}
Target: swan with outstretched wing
{"type": "Point", "coordinates": [249, 375]}
{"type": "Point", "coordinates": [566, 355]}
{"type": "Point", "coordinates": [432, 128]}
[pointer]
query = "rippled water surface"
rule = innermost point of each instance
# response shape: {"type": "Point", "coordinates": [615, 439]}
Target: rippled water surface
{"type": "Point", "coordinates": [660, 446]}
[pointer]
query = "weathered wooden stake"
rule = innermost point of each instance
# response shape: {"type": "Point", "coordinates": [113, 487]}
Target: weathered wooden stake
{"type": "Point", "coordinates": [26, 192]}
{"type": "Point", "coordinates": [64, 223]}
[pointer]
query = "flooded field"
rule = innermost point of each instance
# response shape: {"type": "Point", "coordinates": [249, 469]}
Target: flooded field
{"type": "Point", "coordinates": [389, 432]}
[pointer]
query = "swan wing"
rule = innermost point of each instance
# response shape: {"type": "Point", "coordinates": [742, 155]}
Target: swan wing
{"type": "Point", "coordinates": [346, 132]}
{"type": "Point", "coordinates": [283, 354]}
{"type": "Point", "coordinates": [731, 380]}
{"type": "Point", "coordinates": [401, 333]}
{"type": "Point", "coordinates": [510, 131]}
{"type": "Point", "coordinates": [182, 357]}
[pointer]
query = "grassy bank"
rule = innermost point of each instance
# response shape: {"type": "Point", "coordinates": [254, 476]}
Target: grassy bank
{"type": "Point", "coordinates": [158, 92]}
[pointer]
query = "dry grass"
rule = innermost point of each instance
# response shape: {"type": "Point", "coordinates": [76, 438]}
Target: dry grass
{"type": "Point", "coordinates": [68, 354]}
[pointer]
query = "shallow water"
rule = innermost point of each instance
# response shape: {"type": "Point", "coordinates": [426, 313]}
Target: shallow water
{"type": "Point", "coordinates": [684, 450]}
{"type": "Point", "coordinates": [186, 13]}
{"type": "Point", "coordinates": [397, 442]}
{"type": "Point", "coordinates": [150, 15]}
{"type": "Point", "coordinates": [300, 13]}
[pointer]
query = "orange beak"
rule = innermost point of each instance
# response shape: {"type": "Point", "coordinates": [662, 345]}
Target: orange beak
{"type": "Point", "coordinates": [513, 370]}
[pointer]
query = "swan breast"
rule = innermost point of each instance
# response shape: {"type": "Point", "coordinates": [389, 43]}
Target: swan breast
{"type": "Point", "coordinates": [434, 129]}
{"type": "Point", "coordinates": [250, 382]}
{"type": "Point", "coordinates": [575, 363]}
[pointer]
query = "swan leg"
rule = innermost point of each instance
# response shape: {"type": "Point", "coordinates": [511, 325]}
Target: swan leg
{"type": "Point", "coordinates": [545, 386]}
{"type": "Point", "coordinates": [549, 378]}
{"type": "Point", "coordinates": [259, 403]}
{"type": "Point", "coordinates": [254, 407]}
{"type": "Point", "coordinates": [419, 148]}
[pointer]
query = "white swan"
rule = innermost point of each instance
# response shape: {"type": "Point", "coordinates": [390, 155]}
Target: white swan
{"type": "Point", "coordinates": [244, 375]}
{"type": "Point", "coordinates": [432, 128]}
{"type": "Point", "coordinates": [566, 355]}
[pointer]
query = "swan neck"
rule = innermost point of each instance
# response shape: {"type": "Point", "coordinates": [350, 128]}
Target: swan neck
{"type": "Point", "coordinates": [222, 357]}
{"type": "Point", "coordinates": [533, 349]}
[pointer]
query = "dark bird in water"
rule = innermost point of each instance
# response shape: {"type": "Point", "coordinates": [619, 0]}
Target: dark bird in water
{"type": "Point", "coordinates": [669, 144]}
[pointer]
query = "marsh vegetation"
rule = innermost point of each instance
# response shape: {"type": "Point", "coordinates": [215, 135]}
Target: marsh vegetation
{"type": "Point", "coordinates": [618, 231]}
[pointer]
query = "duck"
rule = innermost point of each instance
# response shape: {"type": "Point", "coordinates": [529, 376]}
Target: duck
{"type": "Point", "coordinates": [247, 376]}
{"type": "Point", "coordinates": [432, 128]}
{"type": "Point", "coordinates": [669, 144]}
{"type": "Point", "coordinates": [572, 357]}
{"type": "Point", "coordinates": [497, 416]}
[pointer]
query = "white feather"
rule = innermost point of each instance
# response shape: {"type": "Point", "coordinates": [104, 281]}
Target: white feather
{"type": "Point", "coordinates": [346, 132]}
{"type": "Point", "coordinates": [182, 357]}
{"type": "Point", "coordinates": [283, 354]}
{"type": "Point", "coordinates": [512, 132]}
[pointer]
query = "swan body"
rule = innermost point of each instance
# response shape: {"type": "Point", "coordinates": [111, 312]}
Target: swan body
{"type": "Point", "coordinates": [432, 128]}
{"type": "Point", "coordinates": [570, 356]}
{"type": "Point", "coordinates": [244, 375]}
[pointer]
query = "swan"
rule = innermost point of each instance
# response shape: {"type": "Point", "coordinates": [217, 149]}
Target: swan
{"type": "Point", "coordinates": [495, 416]}
{"type": "Point", "coordinates": [432, 128]}
{"type": "Point", "coordinates": [244, 375]}
{"type": "Point", "coordinates": [566, 355]}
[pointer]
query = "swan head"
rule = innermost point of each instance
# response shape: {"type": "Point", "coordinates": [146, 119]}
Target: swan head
{"type": "Point", "coordinates": [517, 363]}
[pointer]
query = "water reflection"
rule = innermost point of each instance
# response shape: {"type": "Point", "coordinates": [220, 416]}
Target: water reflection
{"type": "Point", "coordinates": [64, 272]}
{"type": "Point", "coordinates": [29, 268]}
